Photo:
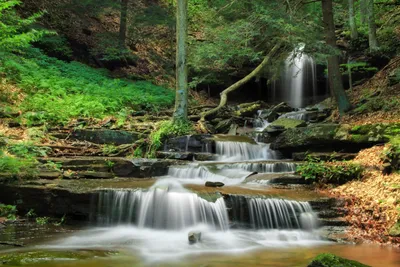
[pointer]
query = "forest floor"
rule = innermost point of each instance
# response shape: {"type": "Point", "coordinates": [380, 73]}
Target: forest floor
{"type": "Point", "coordinates": [373, 202]}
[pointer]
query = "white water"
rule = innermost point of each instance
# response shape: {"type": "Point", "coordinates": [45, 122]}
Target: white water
{"type": "Point", "coordinates": [262, 167]}
{"type": "Point", "coordinates": [167, 205]}
{"type": "Point", "coordinates": [298, 115]}
{"type": "Point", "coordinates": [298, 80]}
{"type": "Point", "coordinates": [241, 151]}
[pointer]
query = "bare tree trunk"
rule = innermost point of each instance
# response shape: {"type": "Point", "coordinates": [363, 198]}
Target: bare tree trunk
{"type": "Point", "coordinates": [237, 85]}
{"type": "Point", "coordinates": [363, 11]}
{"type": "Point", "coordinates": [181, 98]}
{"type": "Point", "coordinates": [373, 42]}
{"type": "Point", "coordinates": [123, 23]}
{"type": "Point", "coordinates": [352, 21]}
{"type": "Point", "coordinates": [334, 76]}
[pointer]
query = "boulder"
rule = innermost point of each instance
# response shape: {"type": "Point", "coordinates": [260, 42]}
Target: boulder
{"type": "Point", "coordinates": [248, 109]}
{"type": "Point", "coordinates": [223, 126]}
{"type": "Point", "coordinates": [104, 136]}
{"type": "Point", "coordinates": [334, 137]}
{"type": "Point", "coordinates": [194, 237]}
{"type": "Point", "coordinates": [331, 260]}
{"type": "Point", "coordinates": [214, 184]}
{"type": "Point", "coordinates": [288, 123]}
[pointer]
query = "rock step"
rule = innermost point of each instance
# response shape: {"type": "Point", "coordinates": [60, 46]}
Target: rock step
{"type": "Point", "coordinates": [327, 156]}
{"type": "Point", "coordinates": [333, 222]}
{"type": "Point", "coordinates": [190, 156]}
{"type": "Point", "coordinates": [109, 167]}
{"type": "Point", "coordinates": [278, 178]}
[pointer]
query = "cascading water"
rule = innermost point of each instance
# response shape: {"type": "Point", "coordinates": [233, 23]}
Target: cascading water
{"type": "Point", "coordinates": [170, 207]}
{"type": "Point", "coordinates": [236, 151]}
{"type": "Point", "coordinates": [262, 167]}
{"type": "Point", "coordinates": [298, 82]}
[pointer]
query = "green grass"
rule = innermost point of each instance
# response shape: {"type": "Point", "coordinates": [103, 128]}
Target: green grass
{"type": "Point", "coordinates": [58, 91]}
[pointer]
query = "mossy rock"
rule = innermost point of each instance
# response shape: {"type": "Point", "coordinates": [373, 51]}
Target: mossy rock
{"type": "Point", "coordinates": [395, 230]}
{"type": "Point", "coordinates": [330, 260]}
{"type": "Point", "coordinates": [289, 123]}
{"type": "Point", "coordinates": [35, 257]}
{"type": "Point", "coordinates": [248, 110]}
{"type": "Point", "coordinates": [233, 138]}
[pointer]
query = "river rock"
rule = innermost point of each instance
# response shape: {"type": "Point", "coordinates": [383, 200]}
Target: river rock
{"type": "Point", "coordinates": [214, 184]}
{"type": "Point", "coordinates": [185, 155]}
{"type": "Point", "coordinates": [104, 136]}
{"type": "Point", "coordinates": [331, 260]}
{"type": "Point", "coordinates": [288, 123]}
{"type": "Point", "coordinates": [194, 237]}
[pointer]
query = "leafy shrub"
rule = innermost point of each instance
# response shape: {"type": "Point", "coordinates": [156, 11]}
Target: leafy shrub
{"type": "Point", "coordinates": [27, 150]}
{"type": "Point", "coordinates": [320, 171]}
{"type": "Point", "coordinates": [8, 211]}
{"type": "Point", "coordinates": [17, 166]}
{"type": "Point", "coordinates": [42, 220]}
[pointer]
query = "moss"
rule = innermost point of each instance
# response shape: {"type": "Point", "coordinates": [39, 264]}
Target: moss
{"type": "Point", "coordinates": [330, 260]}
{"type": "Point", "coordinates": [288, 123]}
{"type": "Point", "coordinates": [248, 110]}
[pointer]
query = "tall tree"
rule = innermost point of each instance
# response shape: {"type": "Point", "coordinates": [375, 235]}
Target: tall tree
{"type": "Point", "coordinates": [334, 76]}
{"type": "Point", "coordinates": [372, 40]}
{"type": "Point", "coordinates": [352, 21]}
{"type": "Point", "coordinates": [123, 23]}
{"type": "Point", "coordinates": [363, 11]}
{"type": "Point", "coordinates": [181, 98]}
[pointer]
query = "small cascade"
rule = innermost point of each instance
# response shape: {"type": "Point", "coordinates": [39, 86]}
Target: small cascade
{"type": "Point", "coordinates": [262, 167]}
{"type": "Point", "coordinates": [170, 207]}
{"type": "Point", "coordinates": [277, 213]}
{"type": "Point", "coordinates": [298, 115]}
{"type": "Point", "coordinates": [270, 213]}
{"type": "Point", "coordinates": [237, 151]}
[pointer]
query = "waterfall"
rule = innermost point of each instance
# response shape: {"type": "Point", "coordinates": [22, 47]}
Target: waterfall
{"type": "Point", "coordinates": [298, 82]}
{"type": "Point", "coordinates": [236, 151]}
{"type": "Point", "coordinates": [170, 207]}
{"type": "Point", "coordinates": [278, 213]}
{"type": "Point", "coordinates": [271, 213]}
{"type": "Point", "coordinates": [262, 167]}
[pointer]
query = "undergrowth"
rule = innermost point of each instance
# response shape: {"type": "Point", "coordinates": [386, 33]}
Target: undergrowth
{"type": "Point", "coordinates": [58, 91]}
{"type": "Point", "coordinates": [336, 172]}
{"type": "Point", "coordinates": [167, 129]}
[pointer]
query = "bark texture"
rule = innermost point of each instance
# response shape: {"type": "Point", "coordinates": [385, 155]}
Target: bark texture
{"type": "Point", "coordinates": [181, 98]}
{"type": "Point", "coordinates": [123, 23]}
{"type": "Point", "coordinates": [373, 42]}
{"type": "Point", "coordinates": [334, 76]}
{"type": "Point", "coordinates": [352, 21]}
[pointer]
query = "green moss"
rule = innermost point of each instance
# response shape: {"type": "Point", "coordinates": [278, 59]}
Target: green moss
{"type": "Point", "coordinates": [330, 260]}
{"type": "Point", "coordinates": [288, 123]}
{"type": "Point", "coordinates": [395, 230]}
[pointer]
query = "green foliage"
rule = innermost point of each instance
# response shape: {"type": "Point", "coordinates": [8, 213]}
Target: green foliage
{"type": "Point", "coordinates": [320, 171]}
{"type": "Point", "coordinates": [109, 149]}
{"type": "Point", "coordinates": [377, 104]}
{"type": "Point", "coordinates": [27, 150]}
{"type": "Point", "coordinates": [59, 91]}
{"type": "Point", "coordinates": [357, 67]}
{"type": "Point", "coordinates": [9, 211]}
{"type": "Point", "coordinates": [138, 153]}
{"type": "Point", "coordinates": [42, 220]}
{"type": "Point", "coordinates": [167, 129]}
{"type": "Point", "coordinates": [31, 213]}
{"type": "Point", "coordinates": [55, 46]}
{"type": "Point", "coordinates": [16, 166]}
{"type": "Point", "coordinates": [15, 32]}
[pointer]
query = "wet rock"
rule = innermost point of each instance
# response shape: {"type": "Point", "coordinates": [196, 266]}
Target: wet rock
{"type": "Point", "coordinates": [102, 136]}
{"type": "Point", "coordinates": [214, 184]}
{"type": "Point", "coordinates": [272, 115]}
{"type": "Point", "coordinates": [289, 179]}
{"type": "Point", "coordinates": [248, 109]}
{"type": "Point", "coordinates": [223, 126]}
{"type": "Point", "coordinates": [185, 155]}
{"type": "Point", "coordinates": [331, 260]}
{"type": "Point", "coordinates": [190, 143]}
{"type": "Point", "coordinates": [233, 138]}
{"type": "Point", "coordinates": [282, 108]}
{"type": "Point", "coordinates": [194, 237]}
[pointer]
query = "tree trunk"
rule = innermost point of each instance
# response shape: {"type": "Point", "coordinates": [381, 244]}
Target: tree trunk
{"type": "Point", "coordinates": [334, 76]}
{"type": "Point", "coordinates": [363, 11]}
{"type": "Point", "coordinates": [352, 21]}
{"type": "Point", "coordinates": [123, 23]}
{"type": "Point", "coordinates": [237, 85]}
{"type": "Point", "coordinates": [373, 42]}
{"type": "Point", "coordinates": [181, 98]}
